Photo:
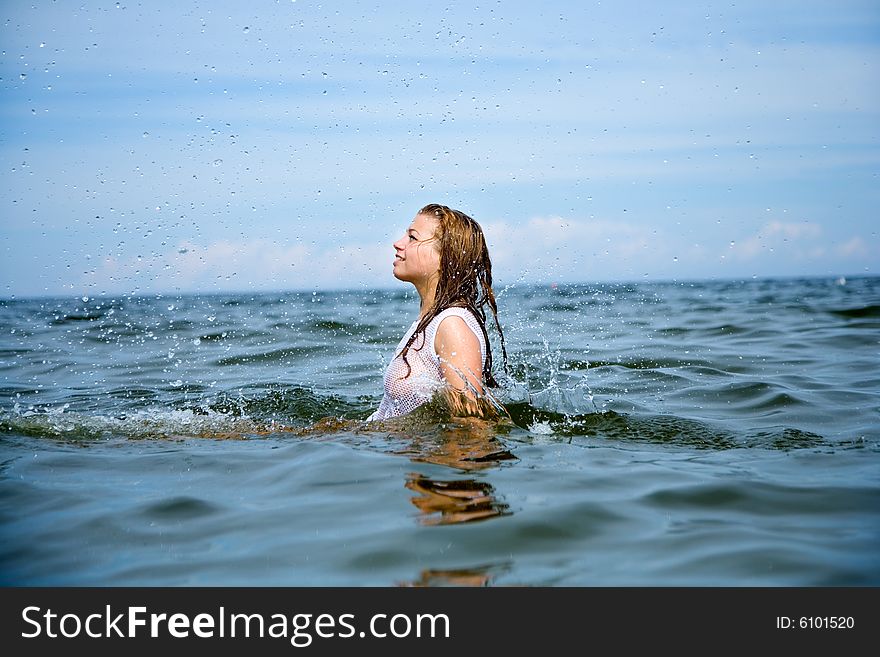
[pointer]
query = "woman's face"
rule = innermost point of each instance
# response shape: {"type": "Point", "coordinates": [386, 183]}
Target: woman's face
{"type": "Point", "coordinates": [417, 256]}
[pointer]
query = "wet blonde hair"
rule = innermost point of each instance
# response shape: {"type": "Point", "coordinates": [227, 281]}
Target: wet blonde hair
{"type": "Point", "coordinates": [465, 277]}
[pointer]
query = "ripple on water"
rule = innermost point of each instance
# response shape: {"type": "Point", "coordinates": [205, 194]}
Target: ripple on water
{"type": "Point", "coordinates": [180, 507]}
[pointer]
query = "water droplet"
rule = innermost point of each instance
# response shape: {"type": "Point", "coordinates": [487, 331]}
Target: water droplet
{"type": "Point", "coordinates": [218, 162]}
{"type": "Point", "coordinates": [23, 76]}
{"type": "Point", "coordinates": [246, 29]}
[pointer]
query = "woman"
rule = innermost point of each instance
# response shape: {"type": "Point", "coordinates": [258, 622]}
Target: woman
{"type": "Point", "coordinates": [444, 255]}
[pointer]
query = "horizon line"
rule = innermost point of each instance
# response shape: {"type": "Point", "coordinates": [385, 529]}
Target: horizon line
{"type": "Point", "coordinates": [499, 287]}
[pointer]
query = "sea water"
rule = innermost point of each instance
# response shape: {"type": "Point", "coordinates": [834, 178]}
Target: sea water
{"type": "Point", "coordinates": [719, 433]}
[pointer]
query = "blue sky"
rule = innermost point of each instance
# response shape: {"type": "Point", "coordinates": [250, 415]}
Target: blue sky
{"type": "Point", "coordinates": [162, 147]}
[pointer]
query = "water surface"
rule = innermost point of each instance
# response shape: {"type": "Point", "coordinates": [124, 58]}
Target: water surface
{"type": "Point", "coordinates": [708, 433]}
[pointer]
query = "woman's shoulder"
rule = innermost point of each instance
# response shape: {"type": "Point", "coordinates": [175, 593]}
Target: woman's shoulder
{"type": "Point", "coordinates": [455, 311]}
{"type": "Point", "coordinates": [465, 314]}
{"type": "Point", "coordinates": [461, 312]}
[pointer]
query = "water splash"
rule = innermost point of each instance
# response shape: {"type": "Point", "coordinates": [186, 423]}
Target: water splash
{"type": "Point", "coordinates": [148, 423]}
{"type": "Point", "coordinates": [542, 388]}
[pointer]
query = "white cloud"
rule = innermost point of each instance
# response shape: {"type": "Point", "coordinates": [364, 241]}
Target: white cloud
{"type": "Point", "coordinates": [778, 236]}
{"type": "Point", "coordinates": [855, 247]}
{"type": "Point", "coordinates": [541, 249]}
{"type": "Point", "coordinates": [574, 249]}
{"type": "Point", "coordinates": [257, 264]}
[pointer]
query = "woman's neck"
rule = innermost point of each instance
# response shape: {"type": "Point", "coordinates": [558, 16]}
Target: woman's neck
{"type": "Point", "coordinates": [426, 305]}
{"type": "Point", "coordinates": [427, 294]}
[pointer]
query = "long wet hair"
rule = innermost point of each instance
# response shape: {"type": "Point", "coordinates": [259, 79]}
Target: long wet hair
{"type": "Point", "coordinates": [465, 278]}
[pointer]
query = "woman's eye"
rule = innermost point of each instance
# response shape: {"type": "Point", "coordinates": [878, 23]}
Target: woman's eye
{"type": "Point", "coordinates": [412, 238]}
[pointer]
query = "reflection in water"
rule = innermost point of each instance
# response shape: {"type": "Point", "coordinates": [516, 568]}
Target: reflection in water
{"type": "Point", "coordinates": [477, 576]}
{"type": "Point", "coordinates": [451, 502]}
{"type": "Point", "coordinates": [463, 443]}
{"type": "Point", "coordinates": [466, 444]}
{"type": "Point", "coordinates": [469, 445]}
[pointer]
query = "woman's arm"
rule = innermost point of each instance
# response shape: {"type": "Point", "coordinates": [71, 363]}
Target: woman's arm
{"type": "Point", "coordinates": [461, 365]}
{"type": "Point", "coordinates": [460, 360]}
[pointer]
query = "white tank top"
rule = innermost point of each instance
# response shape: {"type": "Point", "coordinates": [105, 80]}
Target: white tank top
{"type": "Point", "coordinates": [404, 395]}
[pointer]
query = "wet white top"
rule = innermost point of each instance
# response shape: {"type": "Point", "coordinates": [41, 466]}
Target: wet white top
{"type": "Point", "coordinates": [404, 395]}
